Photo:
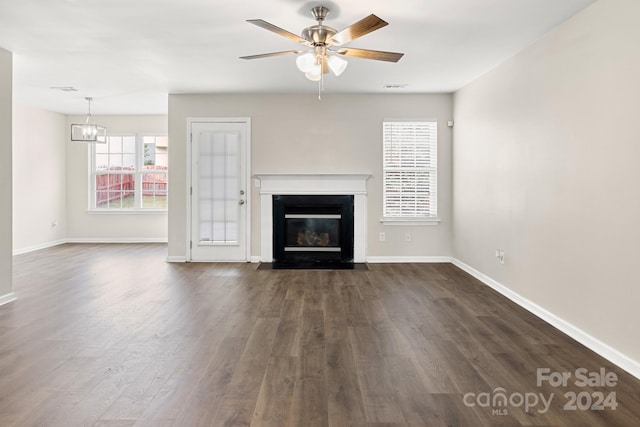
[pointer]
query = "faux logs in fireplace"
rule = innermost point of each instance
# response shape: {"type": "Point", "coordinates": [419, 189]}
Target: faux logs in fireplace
{"type": "Point", "coordinates": [313, 231]}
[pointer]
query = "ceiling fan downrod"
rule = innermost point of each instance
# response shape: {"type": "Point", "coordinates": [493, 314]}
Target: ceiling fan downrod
{"type": "Point", "coordinates": [319, 35]}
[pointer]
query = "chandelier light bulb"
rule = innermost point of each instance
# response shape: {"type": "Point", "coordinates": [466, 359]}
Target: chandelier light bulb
{"type": "Point", "coordinates": [89, 131]}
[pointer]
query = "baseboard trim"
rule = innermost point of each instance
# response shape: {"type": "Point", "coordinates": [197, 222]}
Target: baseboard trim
{"type": "Point", "coordinates": [407, 259]}
{"type": "Point", "coordinates": [39, 247]}
{"type": "Point", "coordinates": [604, 350]}
{"type": "Point", "coordinates": [6, 299]}
{"type": "Point", "coordinates": [176, 259]}
{"type": "Point", "coordinates": [117, 240]}
{"type": "Point", "coordinates": [90, 240]}
{"type": "Point", "coordinates": [256, 259]}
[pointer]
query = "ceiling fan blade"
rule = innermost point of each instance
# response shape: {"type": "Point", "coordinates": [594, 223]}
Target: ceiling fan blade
{"type": "Point", "coordinates": [284, 33]}
{"type": "Point", "coordinates": [359, 29]}
{"type": "Point", "coordinates": [378, 55]}
{"type": "Point", "coordinates": [267, 55]}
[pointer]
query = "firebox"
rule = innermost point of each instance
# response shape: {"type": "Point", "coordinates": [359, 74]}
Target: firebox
{"type": "Point", "coordinates": [313, 231]}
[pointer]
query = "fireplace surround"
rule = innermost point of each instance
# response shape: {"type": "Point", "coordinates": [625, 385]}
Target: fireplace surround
{"type": "Point", "coordinates": [354, 185]}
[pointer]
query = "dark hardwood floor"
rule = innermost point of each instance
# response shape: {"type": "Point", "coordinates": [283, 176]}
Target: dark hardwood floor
{"type": "Point", "coordinates": [112, 335]}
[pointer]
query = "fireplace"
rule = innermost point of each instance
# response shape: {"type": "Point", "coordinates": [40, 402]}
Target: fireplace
{"type": "Point", "coordinates": [279, 184]}
{"type": "Point", "coordinates": [313, 231]}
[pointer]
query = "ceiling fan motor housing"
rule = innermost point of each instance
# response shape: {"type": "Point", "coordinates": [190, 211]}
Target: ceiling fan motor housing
{"type": "Point", "coordinates": [318, 34]}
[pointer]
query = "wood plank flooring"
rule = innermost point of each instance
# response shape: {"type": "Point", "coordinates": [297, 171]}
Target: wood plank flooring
{"type": "Point", "coordinates": [112, 335]}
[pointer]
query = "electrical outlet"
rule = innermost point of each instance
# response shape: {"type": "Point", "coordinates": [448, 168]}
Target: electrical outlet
{"type": "Point", "coordinates": [382, 236]}
{"type": "Point", "coordinates": [407, 237]}
{"type": "Point", "coordinates": [500, 255]}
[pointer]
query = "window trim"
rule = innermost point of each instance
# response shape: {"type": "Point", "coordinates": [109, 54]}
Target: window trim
{"type": "Point", "coordinates": [138, 172]}
{"type": "Point", "coordinates": [410, 220]}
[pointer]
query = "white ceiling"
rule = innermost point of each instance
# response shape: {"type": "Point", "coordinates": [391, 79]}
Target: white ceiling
{"type": "Point", "coordinates": [129, 54]}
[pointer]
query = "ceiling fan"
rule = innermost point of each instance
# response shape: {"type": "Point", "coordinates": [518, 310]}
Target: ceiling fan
{"type": "Point", "coordinates": [325, 44]}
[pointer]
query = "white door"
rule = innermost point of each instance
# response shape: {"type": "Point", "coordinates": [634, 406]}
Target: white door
{"type": "Point", "coordinates": [219, 191]}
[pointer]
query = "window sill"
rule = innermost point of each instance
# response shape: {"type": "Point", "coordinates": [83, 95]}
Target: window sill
{"type": "Point", "coordinates": [127, 211]}
{"type": "Point", "coordinates": [410, 221]}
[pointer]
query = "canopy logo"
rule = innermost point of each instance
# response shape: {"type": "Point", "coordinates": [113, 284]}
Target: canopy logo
{"type": "Point", "coordinates": [500, 401]}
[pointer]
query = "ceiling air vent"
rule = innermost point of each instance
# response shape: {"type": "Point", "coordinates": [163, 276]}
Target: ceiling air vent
{"type": "Point", "coordinates": [64, 88]}
{"type": "Point", "coordinates": [395, 85]}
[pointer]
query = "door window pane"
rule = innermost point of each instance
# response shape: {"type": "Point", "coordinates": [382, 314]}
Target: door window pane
{"type": "Point", "coordinates": [218, 188]}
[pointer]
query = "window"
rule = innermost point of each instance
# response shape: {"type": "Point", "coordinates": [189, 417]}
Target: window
{"type": "Point", "coordinates": [410, 170]}
{"type": "Point", "coordinates": [129, 172]}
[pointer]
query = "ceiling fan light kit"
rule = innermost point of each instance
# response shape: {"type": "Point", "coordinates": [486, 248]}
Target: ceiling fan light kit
{"type": "Point", "coordinates": [311, 63]}
{"type": "Point", "coordinates": [322, 56]}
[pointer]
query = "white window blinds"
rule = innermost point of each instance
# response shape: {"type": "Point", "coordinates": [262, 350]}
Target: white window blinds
{"type": "Point", "coordinates": [410, 169]}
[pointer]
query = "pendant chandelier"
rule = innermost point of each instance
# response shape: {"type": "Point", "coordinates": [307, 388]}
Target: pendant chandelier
{"type": "Point", "coordinates": [88, 131]}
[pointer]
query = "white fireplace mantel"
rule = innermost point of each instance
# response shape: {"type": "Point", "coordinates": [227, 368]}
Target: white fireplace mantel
{"type": "Point", "coordinates": [316, 184]}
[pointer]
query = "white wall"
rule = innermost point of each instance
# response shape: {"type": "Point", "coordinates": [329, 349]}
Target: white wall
{"type": "Point", "coordinates": [6, 260]}
{"type": "Point", "coordinates": [111, 227]}
{"type": "Point", "coordinates": [546, 158]}
{"type": "Point", "coordinates": [299, 134]}
{"type": "Point", "coordinates": [38, 178]}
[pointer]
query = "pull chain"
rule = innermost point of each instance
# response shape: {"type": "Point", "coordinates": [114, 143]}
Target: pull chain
{"type": "Point", "coordinates": [320, 86]}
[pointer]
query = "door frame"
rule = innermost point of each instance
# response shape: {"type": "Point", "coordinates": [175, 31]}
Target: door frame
{"type": "Point", "coordinates": [189, 139]}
